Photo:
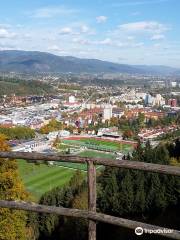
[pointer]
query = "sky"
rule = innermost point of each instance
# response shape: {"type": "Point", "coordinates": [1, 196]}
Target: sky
{"type": "Point", "coordinates": [122, 31]}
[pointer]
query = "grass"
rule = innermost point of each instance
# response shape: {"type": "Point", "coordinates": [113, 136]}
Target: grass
{"type": "Point", "coordinates": [87, 153]}
{"type": "Point", "coordinates": [100, 144]}
{"type": "Point", "coordinates": [40, 178]}
{"type": "Point", "coordinates": [96, 154]}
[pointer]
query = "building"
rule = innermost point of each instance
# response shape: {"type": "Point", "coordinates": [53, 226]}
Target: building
{"type": "Point", "coordinates": [148, 99]}
{"type": "Point", "coordinates": [72, 99]}
{"type": "Point", "coordinates": [158, 100]}
{"type": "Point", "coordinates": [172, 102]}
{"type": "Point", "coordinates": [117, 112]}
{"type": "Point", "coordinates": [173, 84]}
{"type": "Point", "coordinates": [107, 115]}
{"type": "Point", "coordinates": [111, 132]}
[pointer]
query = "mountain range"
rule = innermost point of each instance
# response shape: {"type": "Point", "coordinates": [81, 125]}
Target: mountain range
{"type": "Point", "coordinates": [38, 62]}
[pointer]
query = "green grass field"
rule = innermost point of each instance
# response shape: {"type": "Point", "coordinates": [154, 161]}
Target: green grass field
{"type": "Point", "coordinates": [100, 144]}
{"type": "Point", "coordinates": [96, 154]}
{"type": "Point", "coordinates": [41, 178]}
{"type": "Point", "coordinates": [88, 153]}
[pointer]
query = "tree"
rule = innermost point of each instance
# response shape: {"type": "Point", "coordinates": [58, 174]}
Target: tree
{"type": "Point", "coordinates": [52, 226]}
{"type": "Point", "coordinates": [135, 194]}
{"type": "Point", "coordinates": [56, 142]}
{"type": "Point", "coordinates": [12, 222]}
{"type": "Point", "coordinates": [18, 132]}
{"type": "Point", "coordinates": [127, 134]}
{"type": "Point", "coordinates": [141, 119]}
{"type": "Point", "coordinates": [53, 125]}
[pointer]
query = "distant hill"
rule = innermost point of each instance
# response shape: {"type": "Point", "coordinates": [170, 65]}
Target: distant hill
{"type": "Point", "coordinates": [22, 88]}
{"type": "Point", "coordinates": [36, 62]}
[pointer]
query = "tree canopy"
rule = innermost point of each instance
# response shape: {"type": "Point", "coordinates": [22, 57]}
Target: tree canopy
{"type": "Point", "coordinates": [18, 132]}
{"type": "Point", "coordinates": [12, 222]}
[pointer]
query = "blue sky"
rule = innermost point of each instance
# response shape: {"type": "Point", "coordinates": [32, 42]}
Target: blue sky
{"type": "Point", "coordinates": [123, 31]}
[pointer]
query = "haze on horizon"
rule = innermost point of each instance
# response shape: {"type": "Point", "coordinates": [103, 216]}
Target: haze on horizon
{"type": "Point", "coordinates": [122, 31]}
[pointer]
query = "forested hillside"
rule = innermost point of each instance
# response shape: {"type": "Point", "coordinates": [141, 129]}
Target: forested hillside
{"type": "Point", "coordinates": [10, 86]}
{"type": "Point", "coordinates": [34, 61]}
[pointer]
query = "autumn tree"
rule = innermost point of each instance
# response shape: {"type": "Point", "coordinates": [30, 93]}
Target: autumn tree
{"type": "Point", "coordinates": [12, 222]}
{"type": "Point", "coordinates": [53, 125]}
{"type": "Point", "coordinates": [128, 134]}
{"type": "Point", "coordinates": [18, 132]}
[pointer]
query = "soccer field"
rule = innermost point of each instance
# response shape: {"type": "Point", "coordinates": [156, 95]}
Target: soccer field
{"type": "Point", "coordinates": [41, 178]}
{"type": "Point", "coordinates": [103, 145]}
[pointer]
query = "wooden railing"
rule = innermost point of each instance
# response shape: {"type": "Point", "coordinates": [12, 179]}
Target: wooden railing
{"type": "Point", "coordinates": [91, 213]}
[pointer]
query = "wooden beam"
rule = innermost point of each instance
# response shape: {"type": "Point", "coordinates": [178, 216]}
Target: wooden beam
{"type": "Point", "coordinates": [33, 207]}
{"type": "Point", "coordinates": [149, 167]}
{"type": "Point", "coordinates": [92, 198]}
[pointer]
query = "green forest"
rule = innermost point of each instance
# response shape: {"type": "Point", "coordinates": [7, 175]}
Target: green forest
{"type": "Point", "coordinates": [18, 132]}
{"type": "Point", "coordinates": [9, 86]}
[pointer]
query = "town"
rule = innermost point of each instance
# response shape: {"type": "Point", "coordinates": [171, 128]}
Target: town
{"type": "Point", "coordinates": [112, 113]}
{"type": "Point", "coordinates": [89, 120]}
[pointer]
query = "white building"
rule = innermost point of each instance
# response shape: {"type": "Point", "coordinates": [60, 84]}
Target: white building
{"type": "Point", "coordinates": [53, 135]}
{"type": "Point", "coordinates": [107, 112]}
{"type": "Point", "coordinates": [174, 84]}
{"type": "Point", "coordinates": [158, 100]}
{"type": "Point", "coordinates": [72, 99]}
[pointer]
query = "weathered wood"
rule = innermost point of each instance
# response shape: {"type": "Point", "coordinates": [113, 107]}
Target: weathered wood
{"type": "Point", "coordinates": [149, 167]}
{"type": "Point", "coordinates": [92, 198]}
{"type": "Point", "coordinates": [87, 215]}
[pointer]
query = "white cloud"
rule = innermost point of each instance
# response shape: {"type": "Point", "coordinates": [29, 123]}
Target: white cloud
{"type": "Point", "coordinates": [54, 48]}
{"type": "Point", "coordinates": [6, 26]}
{"type": "Point", "coordinates": [139, 44]}
{"type": "Point", "coordinates": [81, 41]}
{"type": "Point", "coordinates": [76, 30]}
{"type": "Point", "coordinates": [106, 41]}
{"type": "Point", "coordinates": [156, 45]}
{"type": "Point", "coordinates": [66, 31]}
{"type": "Point", "coordinates": [130, 38]}
{"type": "Point", "coordinates": [4, 33]}
{"type": "Point", "coordinates": [101, 19]}
{"type": "Point", "coordinates": [158, 37]}
{"type": "Point", "coordinates": [4, 46]}
{"type": "Point", "coordinates": [128, 44]}
{"type": "Point", "coordinates": [84, 29]}
{"type": "Point", "coordinates": [49, 12]}
{"type": "Point", "coordinates": [144, 26]}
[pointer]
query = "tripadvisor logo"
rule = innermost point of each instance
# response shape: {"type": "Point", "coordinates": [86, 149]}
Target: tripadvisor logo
{"type": "Point", "coordinates": [139, 231]}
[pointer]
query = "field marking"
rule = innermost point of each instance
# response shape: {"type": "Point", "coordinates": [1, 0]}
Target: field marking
{"type": "Point", "coordinates": [75, 169]}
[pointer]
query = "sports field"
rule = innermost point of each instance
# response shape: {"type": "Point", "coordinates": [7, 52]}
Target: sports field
{"type": "Point", "coordinates": [99, 144]}
{"type": "Point", "coordinates": [41, 178]}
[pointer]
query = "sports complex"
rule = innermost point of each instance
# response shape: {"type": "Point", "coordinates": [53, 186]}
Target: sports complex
{"type": "Point", "coordinates": [40, 178]}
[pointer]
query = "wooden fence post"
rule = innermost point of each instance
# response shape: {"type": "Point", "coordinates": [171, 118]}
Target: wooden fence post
{"type": "Point", "coordinates": [92, 198]}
